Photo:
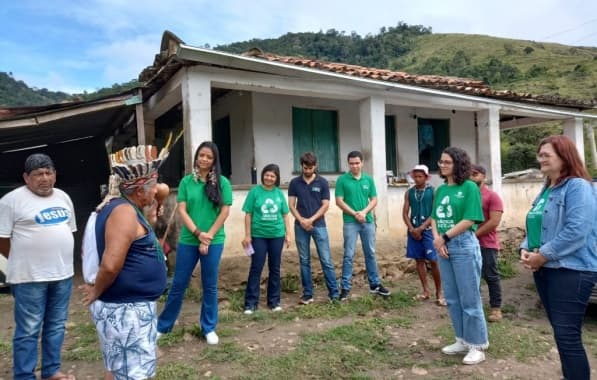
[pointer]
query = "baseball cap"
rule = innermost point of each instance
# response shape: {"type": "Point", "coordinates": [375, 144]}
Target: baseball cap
{"type": "Point", "coordinates": [420, 167]}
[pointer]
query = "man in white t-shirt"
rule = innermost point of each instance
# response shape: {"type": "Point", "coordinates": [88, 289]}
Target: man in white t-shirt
{"type": "Point", "coordinates": [37, 222]}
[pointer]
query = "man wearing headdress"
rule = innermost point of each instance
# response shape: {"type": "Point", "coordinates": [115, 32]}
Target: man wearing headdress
{"type": "Point", "coordinates": [37, 222]}
{"type": "Point", "coordinates": [132, 272]}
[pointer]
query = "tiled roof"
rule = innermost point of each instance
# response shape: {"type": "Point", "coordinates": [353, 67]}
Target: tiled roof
{"type": "Point", "coordinates": [451, 84]}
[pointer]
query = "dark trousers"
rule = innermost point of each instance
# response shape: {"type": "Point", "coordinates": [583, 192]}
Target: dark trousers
{"type": "Point", "coordinates": [565, 295]}
{"type": "Point", "coordinates": [491, 275]}
{"type": "Point", "coordinates": [272, 249]}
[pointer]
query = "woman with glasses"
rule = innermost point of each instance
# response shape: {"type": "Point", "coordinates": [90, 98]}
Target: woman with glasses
{"type": "Point", "coordinates": [456, 209]}
{"type": "Point", "coordinates": [560, 248]}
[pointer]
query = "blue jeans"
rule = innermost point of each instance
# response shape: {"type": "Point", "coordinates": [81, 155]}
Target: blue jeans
{"type": "Point", "coordinates": [565, 295]}
{"type": "Point", "coordinates": [461, 278]}
{"type": "Point", "coordinates": [39, 306]}
{"type": "Point", "coordinates": [367, 233]}
{"type": "Point", "coordinates": [322, 243]}
{"type": "Point", "coordinates": [186, 259]}
{"type": "Point", "coordinates": [272, 249]}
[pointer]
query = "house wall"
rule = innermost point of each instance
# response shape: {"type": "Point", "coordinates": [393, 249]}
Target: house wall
{"type": "Point", "coordinates": [272, 123]}
{"type": "Point", "coordinates": [517, 199]}
{"type": "Point", "coordinates": [462, 132]}
{"type": "Point", "coordinates": [238, 106]}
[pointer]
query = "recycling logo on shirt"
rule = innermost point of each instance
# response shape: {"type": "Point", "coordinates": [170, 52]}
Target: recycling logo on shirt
{"type": "Point", "coordinates": [269, 209]}
{"type": "Point", "coordinates": [444, 210]}
{"type": "Point", "coordinates": [538, 207]}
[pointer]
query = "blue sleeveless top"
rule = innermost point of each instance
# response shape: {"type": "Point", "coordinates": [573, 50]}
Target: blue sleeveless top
{"type": "Point", "coordinates": [143, 275]}
{"type": "Point", "coordinates": [421, 204]}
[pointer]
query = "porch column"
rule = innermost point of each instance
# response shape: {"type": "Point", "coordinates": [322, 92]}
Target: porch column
{"type": "Point", "coordinates": [372, 121]}
{"type": "Point", "coordinates": [196, 114]}
{"type": "Point", "coordinates": [573, 128]}
{"type": "Point", "coordinates": [488, 145]}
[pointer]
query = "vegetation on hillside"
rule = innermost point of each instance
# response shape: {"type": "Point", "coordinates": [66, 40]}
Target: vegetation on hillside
{"type": "Point", "coordinates": [523, 66]}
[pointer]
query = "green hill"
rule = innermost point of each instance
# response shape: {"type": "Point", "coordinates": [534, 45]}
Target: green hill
{"type": "Point", "coordinates": [15, 93]}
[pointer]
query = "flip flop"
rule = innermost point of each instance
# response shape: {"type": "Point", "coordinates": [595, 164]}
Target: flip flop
{"type": "Point", "coordinates": [441, 302]}
{"type": "Point", "coordinates": [420, 297]}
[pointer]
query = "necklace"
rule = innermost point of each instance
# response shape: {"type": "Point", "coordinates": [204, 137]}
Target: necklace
{"type": "Point", "coordinates": [419, 194]}
{"type": "Point", "coordinates": [159, 251]}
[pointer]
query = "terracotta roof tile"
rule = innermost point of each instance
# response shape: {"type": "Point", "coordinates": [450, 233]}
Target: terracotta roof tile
{"type": "Point", "coordinates": [451, 84]}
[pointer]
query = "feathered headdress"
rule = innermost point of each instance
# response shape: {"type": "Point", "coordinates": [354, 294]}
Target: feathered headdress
{"type": "Point", "coordinates": [136, 165]}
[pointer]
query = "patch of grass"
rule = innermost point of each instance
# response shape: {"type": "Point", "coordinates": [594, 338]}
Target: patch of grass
{"type": "Point", "coordinates": [507, 264]}
{"type": "Point", "coordinates": [175, 337]}
{"type": "Point", "coordinates": [176, 371]}
{"type": "Point", "coordinates": [228, 352]}
{"type": "Point", "coordinates": [5, 347]}
{"type": "Point", "coordinates": [85, 346]}
{"type": "Point", "coordinates": [290, 283]}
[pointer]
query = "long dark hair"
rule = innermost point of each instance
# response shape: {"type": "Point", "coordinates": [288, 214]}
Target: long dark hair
{"type": "Point", "coordinates": [274, 169]}
{"type": "Point", "coordinates": [212, 182]}
{"type": "Point", "coordinates": [572, 165]}
{"type": "Point", "coordinates": [461, 171]}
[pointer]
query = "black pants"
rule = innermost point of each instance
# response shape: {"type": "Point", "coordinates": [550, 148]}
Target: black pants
{"type": "Point", "coordinates": [491, 275]}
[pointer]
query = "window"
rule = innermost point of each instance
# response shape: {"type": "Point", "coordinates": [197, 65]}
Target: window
{"type": "Point", "coordinates": [434, 137]}
{"type": "Point", "coordinates": [315, 131]}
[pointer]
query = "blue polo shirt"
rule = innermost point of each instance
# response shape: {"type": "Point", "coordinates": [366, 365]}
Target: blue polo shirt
{"type": "Point", "coordinates": [309, 196]}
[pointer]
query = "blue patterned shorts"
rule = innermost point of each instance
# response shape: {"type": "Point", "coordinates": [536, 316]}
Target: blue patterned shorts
{"type": "Point", "coordinates": [127, 334]}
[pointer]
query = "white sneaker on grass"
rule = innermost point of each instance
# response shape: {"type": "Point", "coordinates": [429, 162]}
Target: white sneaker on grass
{"type": "Point", "coordinates": [474, 356]}
{"type": "Point", "coordinates": [212, 338]}
{"type": "Point", "coordinates": [456, 348]}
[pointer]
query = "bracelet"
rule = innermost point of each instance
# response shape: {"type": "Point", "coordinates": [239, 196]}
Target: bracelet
{"type": "Point", "coordinates": [446, 238]}
{"type": "Point", "coordinates": [196, 233]}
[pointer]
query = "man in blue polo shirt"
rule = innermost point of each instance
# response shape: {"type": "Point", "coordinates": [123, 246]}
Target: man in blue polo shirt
{"type": "Point", "coordinates": [357, 197]}
{"type": "Point", "coordinates": [308, 200]}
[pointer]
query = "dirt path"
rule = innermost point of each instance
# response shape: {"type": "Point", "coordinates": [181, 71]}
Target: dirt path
{"type": "Point", "coordinates": [276, 337]}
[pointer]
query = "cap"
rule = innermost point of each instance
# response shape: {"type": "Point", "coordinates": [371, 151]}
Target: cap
{"type": "Point", "coordinates": [38, 161]}
{"type": "Point", "coordinates": [478, 168]}
{"type": "Point", "coordinates": [421, 168]}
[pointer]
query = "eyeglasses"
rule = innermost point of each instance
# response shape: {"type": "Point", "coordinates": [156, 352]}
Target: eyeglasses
{"type": "Point", "coordinates": [446, 163]}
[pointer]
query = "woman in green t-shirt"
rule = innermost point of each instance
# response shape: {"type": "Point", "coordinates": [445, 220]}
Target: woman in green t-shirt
{"type": "Point", "coordinates": [204, 200]}
{"type": "Point", "coordinates": [456, 209]}
{"type": "Point", "coordinates": [267, 229]}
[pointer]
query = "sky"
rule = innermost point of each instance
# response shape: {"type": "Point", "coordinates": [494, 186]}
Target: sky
{"type": "Point", "coordinates": [84, 45]}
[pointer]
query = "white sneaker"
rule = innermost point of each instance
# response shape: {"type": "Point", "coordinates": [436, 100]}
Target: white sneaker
{"type": "Point", "coordinates": [158, 336]}
{"type": "Point", "coordinates": [212, 338]}
{"type": "Point", "coordinates": [277, 308]}
{"type": "Point", "coordinates": [248, 311]}
{"type": "Point", "coordinates": [474, 356]}
{"type": "Point", "coordinates": [456, 348]}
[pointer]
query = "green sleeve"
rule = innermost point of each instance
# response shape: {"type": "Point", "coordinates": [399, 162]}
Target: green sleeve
{"type": "Point", "coordinates": [285, 209]}
{"type": "Point", "coordinates": [226, 189]}
{"type": "Point", "coordinates": [473, 205]}
{"type": "Point", "coordinates": [182, 189]}
{"type": "Point", "coordinates": [249, 201]}
{"type": "Point", "coordinates": [373, 192]}
{"type": "Point", "coordinates": [340, 186]}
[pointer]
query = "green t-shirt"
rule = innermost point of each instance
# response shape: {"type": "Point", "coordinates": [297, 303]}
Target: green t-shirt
{"type": "Point", "coordinates": [201, 210]}
{"type": "Point", "coordinates": [535, 220]}
{"type": "Point", "coordinates": [267, 208]}
{"type": "Point", "coordinates": [356, 193]}
{"type": "Point", "coordinates": [453, 203]}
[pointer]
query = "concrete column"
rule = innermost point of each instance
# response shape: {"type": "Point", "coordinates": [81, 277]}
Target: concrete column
{"type": "Point", "coordinates": [488, 145]}
{"type": "Point", "coordinates": [573, 128]}
{"type": "Point", "coordinates": [372, 121]}
{"type": "Point", "coordinates": [149, 127]}
{"type": "Point", "coordinates": [196, 114]}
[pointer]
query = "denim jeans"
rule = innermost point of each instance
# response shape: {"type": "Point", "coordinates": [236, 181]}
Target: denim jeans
{"type": "Point", "coordinates": [272, 249]}
{"type": "Point", "coordinates": [491, 275]}
{"type": "Point", "coordinates": [461, 278]}
{"type": "Point", "coordinates": [39, 306]}
{"type": "Point", "coordinates": [186, 259]}
{"type": "Point", "coordinates": [367, 233]}
{"type": "Point", "coordinates": [322, 243]}
{"type": "Point", "coordinates": [565, 295]}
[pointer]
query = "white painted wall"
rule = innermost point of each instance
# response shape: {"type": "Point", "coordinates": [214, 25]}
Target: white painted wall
{"type": "Point", "coordinates": [238, 106]}
{"type": "Point", "coordinates": [517, 198]}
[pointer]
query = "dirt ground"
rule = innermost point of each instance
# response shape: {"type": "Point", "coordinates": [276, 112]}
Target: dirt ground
{"type": "Point", "coordinates": [279, 338]}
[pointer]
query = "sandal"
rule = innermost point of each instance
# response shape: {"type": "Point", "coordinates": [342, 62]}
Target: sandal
{"type": "Point", "coordinates": [441, 302]}
{"type": "Point", "coordinates": [421, 297]}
